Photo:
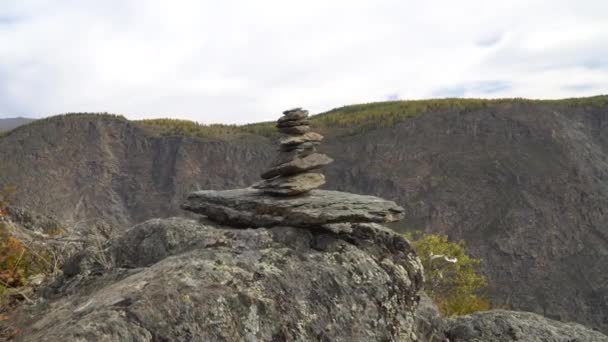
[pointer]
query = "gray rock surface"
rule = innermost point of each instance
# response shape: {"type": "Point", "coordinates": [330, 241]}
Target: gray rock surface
{"type": "Point", "coordinates": [507, 326]}
{"type": "Point", "coordinates": [293, 123]}
{"type": "Point", "coordinates": [306, 146]}
{"type": "Point", "coordinates": [252, 208]}
{"type": "Point", "coordinates": [430, 325]}
{"type": "Point", "coordinates": [181, 280]}
{"type": "Point", "coordinates": [295, 130]}
{"type": "Point", "coordinates": [300, 139]}
{"type": "Point", "coordinates": [293, 114]}
{"type": "Point", "coordinates": [496, 326]}
{"type": "Point", "coordinates": [287, 156]}
{"type": "Point", "coordinates": [298, 165]}
{"type": "Point", "coordinates": [291, 185]}
{"type": "Point", "coordinates": [33, 221]}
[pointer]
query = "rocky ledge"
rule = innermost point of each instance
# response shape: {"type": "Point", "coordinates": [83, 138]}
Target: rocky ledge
{"type": "Point", "coordinates": [507, 326]}
{"type": "Point", "coordinates": [318, 208]}
{"type": "Point", "coordinates": [497, 326]}
{"type": "Point", "coordinates": [183, 280]}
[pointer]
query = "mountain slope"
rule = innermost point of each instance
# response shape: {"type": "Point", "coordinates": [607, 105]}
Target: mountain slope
{"type": "Point", "coordinates": [82, 167]}
{"type": "Point", "coordinates": [524, 183]}
{"type": "Point", "coordinates": [11, 123]}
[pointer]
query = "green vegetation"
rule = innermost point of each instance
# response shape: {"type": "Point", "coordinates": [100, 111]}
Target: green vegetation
{"type": "Point", "coordinates": [70, 116]}
{"type": "Point", "coordinates": [364, 117]}
{"type": "Point", "coordinates": [356, 118]}
{"type": "Point", "coordinates": [175, 127]}
{"type": "Point", "coordinates": [452, 277]}
{"type": "Point", "coordinates": [18, 262]}
{"type": "Point", "coordinates": [344, 120]}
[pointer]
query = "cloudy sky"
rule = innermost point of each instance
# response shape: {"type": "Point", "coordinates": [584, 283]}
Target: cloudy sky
{"type": "Point", "coordinates": [237, 61]}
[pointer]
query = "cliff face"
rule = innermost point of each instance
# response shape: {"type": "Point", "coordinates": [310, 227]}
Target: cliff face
{"type": "Point", "coordinates": [84, 167]}
{"type": "Point", "coordinates": [524, 184]}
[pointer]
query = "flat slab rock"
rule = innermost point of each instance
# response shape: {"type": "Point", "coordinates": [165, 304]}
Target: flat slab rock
{"type": "Point", "coordinates": [292, 185]}
{"type": "Point", "coordinates": [252, 208]}
{"type": "Point", "coordinates": [298, 165]}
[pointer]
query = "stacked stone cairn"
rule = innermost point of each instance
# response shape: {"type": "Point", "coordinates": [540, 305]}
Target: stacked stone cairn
{"type": "Point", "coordinates": [294, 170]}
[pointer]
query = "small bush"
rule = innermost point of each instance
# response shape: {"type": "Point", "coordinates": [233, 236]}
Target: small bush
{"type": "Point", "coordinates": [17, 261]}
{"type": "Point", "coordinates": [453, 280]}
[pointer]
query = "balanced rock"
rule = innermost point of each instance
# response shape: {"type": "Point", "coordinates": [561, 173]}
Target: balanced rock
{"type": "Point", "coordinates": [296, 130]}
{"type": "Point", "coordinates": [289, 155]}
{"type": "Point", "coordinates": [294, 114]}
{"type": "Point", "coordinates": [294, 141]}
{"type": "Point", "coordinates": [253, 208]}
{"type": "Point", "coordinates": [293, 123]}
{"type": "Point", "coordinates": [289, 174]}
{"type": "Point", "coordinates": [298, 165]}
{"type": "Point", "coordinates": [309, 145]}
{"type": "Point", "coordinates": [292, 185]}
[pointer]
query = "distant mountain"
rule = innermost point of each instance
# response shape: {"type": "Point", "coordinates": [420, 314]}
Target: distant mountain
{"type": "Point", "coordinates": [524, 183]}
{"type": "Point", "coordinates": [10, 123]}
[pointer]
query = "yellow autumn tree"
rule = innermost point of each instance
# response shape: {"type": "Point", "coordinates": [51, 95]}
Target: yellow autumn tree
{"type": "Point", "coordinates": [453, 279]}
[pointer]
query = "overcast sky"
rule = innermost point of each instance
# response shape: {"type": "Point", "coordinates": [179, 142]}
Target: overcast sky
{"type": "Point", "coordinates": [244, 61]}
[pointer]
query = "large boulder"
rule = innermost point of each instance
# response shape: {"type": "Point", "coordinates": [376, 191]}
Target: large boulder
{"type": "Point", "coordinates": [496, 326]}
{"type": "Point", "coordinates": [508, 326]}
{"type": "Point", "coordinates": [179, 279]}
{"type": "Point", "coordinates": [431, 326]}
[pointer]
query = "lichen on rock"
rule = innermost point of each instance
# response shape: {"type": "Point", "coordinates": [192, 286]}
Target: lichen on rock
{"type": "Point", "coordinates": [179, 279]}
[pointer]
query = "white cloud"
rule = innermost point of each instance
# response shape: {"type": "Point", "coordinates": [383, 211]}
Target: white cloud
{"type": "Point", "coordinates": [244, 61]}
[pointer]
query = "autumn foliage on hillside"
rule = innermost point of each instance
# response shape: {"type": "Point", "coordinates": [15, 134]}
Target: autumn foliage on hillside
{"type": "Point", "coordinates": [17, 261]}
{"type": "Point", "coordinates": [452, 277]}
{"type": "Point", "coordinates": [355, 118]}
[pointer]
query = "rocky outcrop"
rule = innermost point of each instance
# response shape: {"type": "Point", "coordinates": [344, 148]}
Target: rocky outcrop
{"type": "Point", "coordinates": [497, 326]}
{"type": "Point", "coordinates": [508, 326]}
{"type": "Point", "coordinates": [33, 221]}
{"type": "Point", "coordinates": [430, 325]}
{"type": "Point", "coordinates": [291, 174]}
{"type": "Point", "coordinates": [182, 280]}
